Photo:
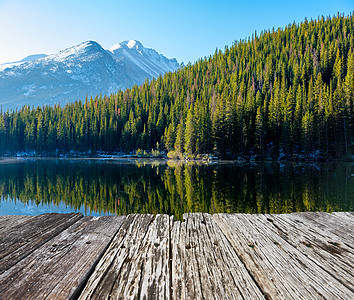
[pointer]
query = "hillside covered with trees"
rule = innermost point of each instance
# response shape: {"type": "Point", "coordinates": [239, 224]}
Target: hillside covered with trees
{"type": "Point", "coordinates": [283, 93]}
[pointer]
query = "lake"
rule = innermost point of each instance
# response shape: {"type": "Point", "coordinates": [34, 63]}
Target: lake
{"type": "Point", "coordinates": [103, 187]}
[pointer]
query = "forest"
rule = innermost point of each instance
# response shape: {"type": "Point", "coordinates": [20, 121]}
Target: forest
{"type": "Point", "coordinates": [281, 94]}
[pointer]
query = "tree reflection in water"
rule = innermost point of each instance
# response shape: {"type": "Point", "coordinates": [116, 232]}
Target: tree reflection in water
{"type": "Point", "coordinates": [176, 187]}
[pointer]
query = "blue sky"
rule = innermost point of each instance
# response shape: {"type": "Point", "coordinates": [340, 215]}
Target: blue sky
{"type": "Point", "coordinates": [186, 30]}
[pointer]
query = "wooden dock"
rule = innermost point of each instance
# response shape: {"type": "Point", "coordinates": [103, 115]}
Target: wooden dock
{"type": "Point", "coordinates": [222, 256]}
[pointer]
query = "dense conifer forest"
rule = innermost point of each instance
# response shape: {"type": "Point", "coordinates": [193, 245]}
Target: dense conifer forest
{"type": "Point", "coordinates": [285, 93]}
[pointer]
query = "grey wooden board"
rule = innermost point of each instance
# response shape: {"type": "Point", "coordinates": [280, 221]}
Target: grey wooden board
{"type": "Point", "coordinates": [153, 263]}
{"type": "Point", "coordinates": [204, 264]}
{"type": "Point", "coordinates": [22, 239]}
{"type": "Point", "coordinates": [7, 222]}
{"type": "Point", "coordinates": [337, 224]}
{"type": "Point", "coordinates": [119, 272]}
{"type": "Point", "coordinates": [281, 270]}
{"type": "Point", "coordinates": [325, 249]}
{"type": "Point", "coordinates": [59, 268]}
{"type": "Point", "coordinates": [335, 220]}
{"type": "Point", "coordinates": [344, 214]}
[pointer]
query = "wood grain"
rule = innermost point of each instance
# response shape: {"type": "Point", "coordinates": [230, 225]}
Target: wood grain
{"type": "Point", "coordinates": [326, 249]}
{"type": "Point", "coordinates": [280, 269]}
{"type": "Point", "coordinates": [117, 274]}
{"type": "Point", "coordinates": [59, 268]}
{"type": "Point", "coordinates": [204, 264]}
{"type": "Point", "coordinates": [339, 224]}
{"type": "Point", "coordinates": [21, 240]}
{"type": "Point", "coordinates": [7, 222]}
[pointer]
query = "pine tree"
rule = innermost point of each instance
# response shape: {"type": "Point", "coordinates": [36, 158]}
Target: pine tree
{"type": "Point", "coordinates": [190, 132]}
{"type": "Point", "coordinates": [179, 144]}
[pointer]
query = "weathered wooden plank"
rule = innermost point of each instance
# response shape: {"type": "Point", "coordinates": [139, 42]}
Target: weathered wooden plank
{"type": "Point", "coordinates": [111, 278]}
{"type": "Point", "coordinates": [342, 227]}
{"type": "Point", "coordinates": [149, 274]}
{"type": "Point", "coordinates": [7, 222]}
{"type": "Point", "coordinates": [185, 270]}
{"type": "Point", "coordinates": [59, 268]}
{"type": "Point", "coordinates": [204, 264]}
{"type": "Point", "coordinates": [337, 220]}
{"type": "Point", "coordinates": [344, 214]}
{"type": "Point", "coordinates": [155, 282]}
{"type": "Point", "coordinates": [325, 249]}
{"type": "Point", "coordinates": [21, 240]}
{"type": "Point", "coordinates": [281, 270]}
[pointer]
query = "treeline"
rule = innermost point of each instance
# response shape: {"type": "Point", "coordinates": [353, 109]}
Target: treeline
{"type": "Point", "coordinates": [284, 93]}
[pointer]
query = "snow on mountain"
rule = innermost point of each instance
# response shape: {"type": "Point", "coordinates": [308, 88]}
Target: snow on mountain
{"type": "Point", "coordinates": [78, 72]}
{"type": "Point", "coordinates": [22, 61]}
{"type": "Point", "coordinates": [142, 62]}
{"type": "Point", "coordinates": [33, 57]}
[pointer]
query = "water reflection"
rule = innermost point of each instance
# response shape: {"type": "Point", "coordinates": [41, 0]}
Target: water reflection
{"type": "Point", "coordinates": [102, 187]}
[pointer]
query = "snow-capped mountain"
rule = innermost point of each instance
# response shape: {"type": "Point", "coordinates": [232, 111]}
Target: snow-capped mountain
{"type": "Point", "coordinates": [74, 73]}
{"type": "Point", "coordinates": [142, 62]}
{"type": "Point", "coordinates": [20, 62]}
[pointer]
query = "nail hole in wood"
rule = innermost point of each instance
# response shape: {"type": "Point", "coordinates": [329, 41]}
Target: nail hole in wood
{"type": "Point", "coordinates": [203, 222]}
{"type": "Point", "coordinates": [156, 244]}
{"type": "Point", "coordinates": [276, 243]}
{"type": "Point", "coordinates": [188, 247]}
{"type": "Point", "coordinates": [88, 242]}
{"type": "Point", "coordinates": [251, 245]}
{"type": "Point", "coordinates": [270, 220]}
{"type": "Point", "coordinates": [122, 247]}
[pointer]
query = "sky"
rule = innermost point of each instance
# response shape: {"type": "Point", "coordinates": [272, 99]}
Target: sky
{"type": "Point", "coordinates": [185, 29]}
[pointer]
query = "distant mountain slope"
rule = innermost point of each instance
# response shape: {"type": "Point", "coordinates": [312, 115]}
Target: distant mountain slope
{"type": "Point", "coordinates": [17, 63]}
{"type": "Point", "coordinates": [74, 73]}
{"type": "Point", "coordinates": [141, 62]}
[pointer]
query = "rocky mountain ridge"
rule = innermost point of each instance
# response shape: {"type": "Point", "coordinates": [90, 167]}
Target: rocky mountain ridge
{"type": "Point", "coordinates": [78, 72]}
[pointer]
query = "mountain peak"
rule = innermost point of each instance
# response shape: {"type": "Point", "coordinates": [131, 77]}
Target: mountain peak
{"type": "Point", "coordinates": [86, 45]}
{"type": "Point", "coordinates": [82, 49]}
{"type": "Point", "coordinates": [90, 44]}
{"type": "Point", "coordinates": [131, 44]}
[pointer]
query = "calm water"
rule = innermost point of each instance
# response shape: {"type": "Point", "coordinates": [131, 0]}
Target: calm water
{"type": "Point", "coordinates": [98, 187]}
